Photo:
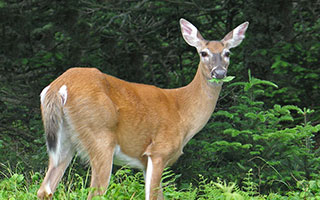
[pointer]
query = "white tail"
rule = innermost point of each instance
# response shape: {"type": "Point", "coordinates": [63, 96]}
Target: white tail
{"type": "Point", "coordinates": [109, 120]}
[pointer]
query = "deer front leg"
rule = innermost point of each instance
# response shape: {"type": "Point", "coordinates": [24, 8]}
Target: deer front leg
{"type": "Point", "coordinates": [155, 167]}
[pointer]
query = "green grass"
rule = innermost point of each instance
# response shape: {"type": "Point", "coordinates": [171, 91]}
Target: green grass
{"type": "Point", "coordinates": [127, 185]}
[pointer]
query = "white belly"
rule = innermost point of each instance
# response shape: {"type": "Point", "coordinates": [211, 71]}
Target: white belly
{"type": "Point", "coordinates": [119, 158]}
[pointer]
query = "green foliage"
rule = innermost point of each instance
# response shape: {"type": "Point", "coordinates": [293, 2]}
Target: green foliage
{"type": "Point", "coordinates": [246, 136]}
{"type": "Point", "coordinates": [126, 185]}
{"type": "Point", "coordinates": [249, 185]}
{"type": "Point", "coordinates": [219, 190]}
{"type": "Point", "coordinates": [307, 190]}
{"type": "Point", "coordinates": [283, 49]}
{"type": "Point", "coordinates": [225, 79]}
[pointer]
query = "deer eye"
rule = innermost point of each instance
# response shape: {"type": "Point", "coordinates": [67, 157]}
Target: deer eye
{"type": "Point", "coordinates": [203, 54]}
{"type": "Point", "coordinates": [227, 54]}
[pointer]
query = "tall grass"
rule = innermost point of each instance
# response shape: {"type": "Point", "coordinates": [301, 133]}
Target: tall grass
{"type": "Point", "coordinates": [126, 185]}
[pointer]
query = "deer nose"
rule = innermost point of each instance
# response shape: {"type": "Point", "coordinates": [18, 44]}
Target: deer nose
{"type": "Point", "coordinates": [219, 73]}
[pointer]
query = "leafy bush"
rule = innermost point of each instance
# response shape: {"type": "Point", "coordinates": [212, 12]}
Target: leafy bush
{"type": "Point", "coordinates": [276, 143]}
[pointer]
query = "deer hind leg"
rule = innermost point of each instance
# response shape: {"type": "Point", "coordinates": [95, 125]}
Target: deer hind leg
{"type": "Point", "coordinates": [58, 162]}
{"type": "Point", "coordinates": [155, 167]}
{"type": "Point", "coordinates": [101, 159]}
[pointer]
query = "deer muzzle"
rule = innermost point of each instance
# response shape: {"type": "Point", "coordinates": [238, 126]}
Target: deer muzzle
{"type": "Point", "coordinates": [219, 73]}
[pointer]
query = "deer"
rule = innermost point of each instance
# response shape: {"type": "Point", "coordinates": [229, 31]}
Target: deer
{"type": "Point", "coordinates": [111, 121]}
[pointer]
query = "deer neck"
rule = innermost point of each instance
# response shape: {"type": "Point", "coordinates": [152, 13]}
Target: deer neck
{"type": "Point", "coordinates": [196, 103]}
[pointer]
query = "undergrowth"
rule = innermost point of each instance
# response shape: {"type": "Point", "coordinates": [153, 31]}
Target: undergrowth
{"type": "Point", "coordinates": [125, 185]}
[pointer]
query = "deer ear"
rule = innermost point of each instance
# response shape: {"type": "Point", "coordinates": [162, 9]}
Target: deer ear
{"type": "Point", "coordinates": [235, 37]}
{"type": "Point", "coordinates": [190, 34]}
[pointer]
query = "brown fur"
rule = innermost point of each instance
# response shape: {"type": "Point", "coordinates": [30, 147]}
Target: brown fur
{"type": "Point", "coordinates": [52, 118]}
{"type": "Point", "coordinates": [215, 46]}
{"type": "Point", "coordinates": [142, 119]}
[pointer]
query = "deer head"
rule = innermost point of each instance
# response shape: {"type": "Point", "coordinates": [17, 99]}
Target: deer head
{"type": "Point", "coordinates": [214, 55]}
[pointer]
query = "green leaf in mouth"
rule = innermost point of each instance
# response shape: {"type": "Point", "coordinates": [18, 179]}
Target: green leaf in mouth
{"type": "Point", "coordinates": [225, 79]}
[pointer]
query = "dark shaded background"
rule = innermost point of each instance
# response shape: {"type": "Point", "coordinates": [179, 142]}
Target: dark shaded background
{"type": "Point", "coordinates": [140, 41]}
